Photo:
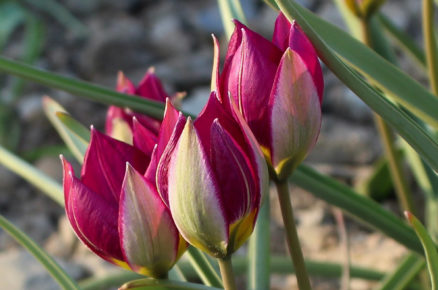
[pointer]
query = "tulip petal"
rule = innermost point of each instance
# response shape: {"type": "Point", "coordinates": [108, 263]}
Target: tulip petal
{"type": "Point", "coordinates": [193, 196]}
{"type": "Point", "coordinates": [93, 218]}
{"type": "Point", "coordinates": [124, 85]}
{"type": "Point", "coordinates": [248, 76]}
{"type": "Point", "coordinates": [233, 172]}
{"type": "Point", "coordinates": [151, 88]}
{"type": "Point", "coordinates": [281, 32]}
{"type": "Point", "coordinates": [214, 109]}
{"type": "Point", "coordinates": [114, 117]}
{"type": "Point", "coordinates": [104, 164]}
{"type": "Point", "coordinates": [148, 236]}
{"type": "Point", "coordinates": [299, 43]}
{"type": "Point", "coordinates": [143, 139]}
{"type": "Point", "coordinates": [256, 156]}
{"type": "Point", "coordinates": [171, 128]}
{"type": "Point", "coordinates": [295, 115]}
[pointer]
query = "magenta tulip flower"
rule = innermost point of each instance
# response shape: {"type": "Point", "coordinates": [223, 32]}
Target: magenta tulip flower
{"type": "Point", "coordinates": [278, 87]}
{"type": "Point", "coordinates": [212, 176]}
{"type": "Point", "coordinates": [119, 121]}
{"type": "Point", "coordinates": [116, 211]}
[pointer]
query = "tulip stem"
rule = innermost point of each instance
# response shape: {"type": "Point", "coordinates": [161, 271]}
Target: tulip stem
{"type": "Point", "coordinates": [430, 44]}
{"type": "Point", "coordinates": [293, 242]}
{"type": "Point", "coordinates": [227, 273]}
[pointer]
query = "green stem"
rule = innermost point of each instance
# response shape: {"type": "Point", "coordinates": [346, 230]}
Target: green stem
{"type": "Point", "coordinates": [293, 242]}
{"type": "Point", "coordinates": [227, 273]}
{"type": "Point", "coordinates": [402, 190]}
{"type": "Point", "coordinates": [430, 44]}
{"type": "Point", "coordinates": [203, 267]}
{"type": "Point", "coordinates": [259, 264]}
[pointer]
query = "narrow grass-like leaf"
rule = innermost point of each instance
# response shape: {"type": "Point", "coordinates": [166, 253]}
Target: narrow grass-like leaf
{"type": "Point", "coordinates": [357, 206]}
{"type": "Point", "coordinates": [350, 19]}
{"type": "Point", "coordinates": [75, 136]}
{"type": "Point", "coordinates": [272, 4]}
{"type": "Point", "coordinates": [279, 265]}
{"type": "Point", "coordinates": [403, 40]}
{"type": "Point", "coordinates": [81, 88]}
{"type": "Point", "coordinates": [52, 267]}
{"type": "Point", "coordinates": [259, 250]}
{"type": "Point", "coordinates": [34, 176]}
{"type": "Point", "coordinates": [327, 37]}
{"type": "Point", "coordinates": [406, 126]}
{"type": "Point", "coordinates": [203, 267]}
{"type": "Point", "coordinates": [403, 275]}
{"type": "Point", "coordinates": [150, 283]}
{"type": "Point", "coordinates": [230, 9]}
{"type": "Point", "coordinates": [429, 247]}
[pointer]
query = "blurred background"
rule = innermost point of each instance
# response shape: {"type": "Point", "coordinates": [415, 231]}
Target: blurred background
{"type": "Point", "coordinates": [92, 40]}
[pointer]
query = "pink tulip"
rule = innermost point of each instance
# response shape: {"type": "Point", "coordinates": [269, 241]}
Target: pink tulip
{"type": "Point", "coordinates": [119, 121]}
{"type": "Point", "coordinates": [116, 211]}
{"type": "Point", "coordinates": [212, 176]}
{"type": "Point", "coordinates": [278, 87]}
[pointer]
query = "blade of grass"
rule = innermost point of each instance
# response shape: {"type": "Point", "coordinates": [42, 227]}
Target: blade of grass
{"type": "Point", "coordinates": [258, 250]}
{"type": "Point", "coordinates": [429, 247]}
{"type": "Point", "coordinates": [52, 267]}
{"type": "Point", "coordinates": [403, 275]}
{"type": "Point", "coordinates": [357, 206]}
{"type": "Point", "coordinates": [280, 265]}
{"type": "Point", "coordinates": [81, 88]}
{"type": "Point", "coordinates": [150, 283]}
{"type": "Point", "coordinates": [75, 136]}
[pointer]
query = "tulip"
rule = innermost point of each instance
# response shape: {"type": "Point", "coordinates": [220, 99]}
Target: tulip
{"type": "Point", "coordinates": [278, 87]}
{"type": "Point", "coordinates": [119, 121]}
{"type": "Point", "coordinates": [117, 212]}
{"type": "Point", "coordinates": [212, 176]}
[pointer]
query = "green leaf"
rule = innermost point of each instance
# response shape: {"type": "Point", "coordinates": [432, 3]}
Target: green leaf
{"type": "Point", "coordinates": [322, 33]}
{"type": "Point", "coordinates": [280, 265]}
{"type": "Point", "coordinates": [75, 136]}
{"type": "Point", "coordinates": [150, 283]}
{"type": "Point", "coordinates": [34, 176]}
{"type": "Point", "coordinates": [81, 88]}
{"type": "Point", "coordinates": [203, 267]}
{"type": "Point", "coordinates": [403, 275]}
{"type": "Point", "coordinates": [272, 4]}
{"type": "Point", "coordinates": [230, 9]}
{"type": "Point", "coordinates": [429, 248]}
{"type": "Point", "coordinates": [355, 205]}
{"type": "Point", "coordinates": [259, 250]}
{"type": "Point", "coordinates": [52, 267]}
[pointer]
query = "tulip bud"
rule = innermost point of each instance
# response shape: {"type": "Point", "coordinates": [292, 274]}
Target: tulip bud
{"type": "Point", "coordinates": [212, 176]}
{"type": "Point", "coordinates": [278, 86]}
{"type": "Point", "coordinates": [117, 212]}
{"type": "Point", "coordinates": [119, 123]}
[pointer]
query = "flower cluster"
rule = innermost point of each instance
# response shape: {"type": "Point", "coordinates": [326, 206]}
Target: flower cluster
{"type": "Point", "coordinates": [165, 184]}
